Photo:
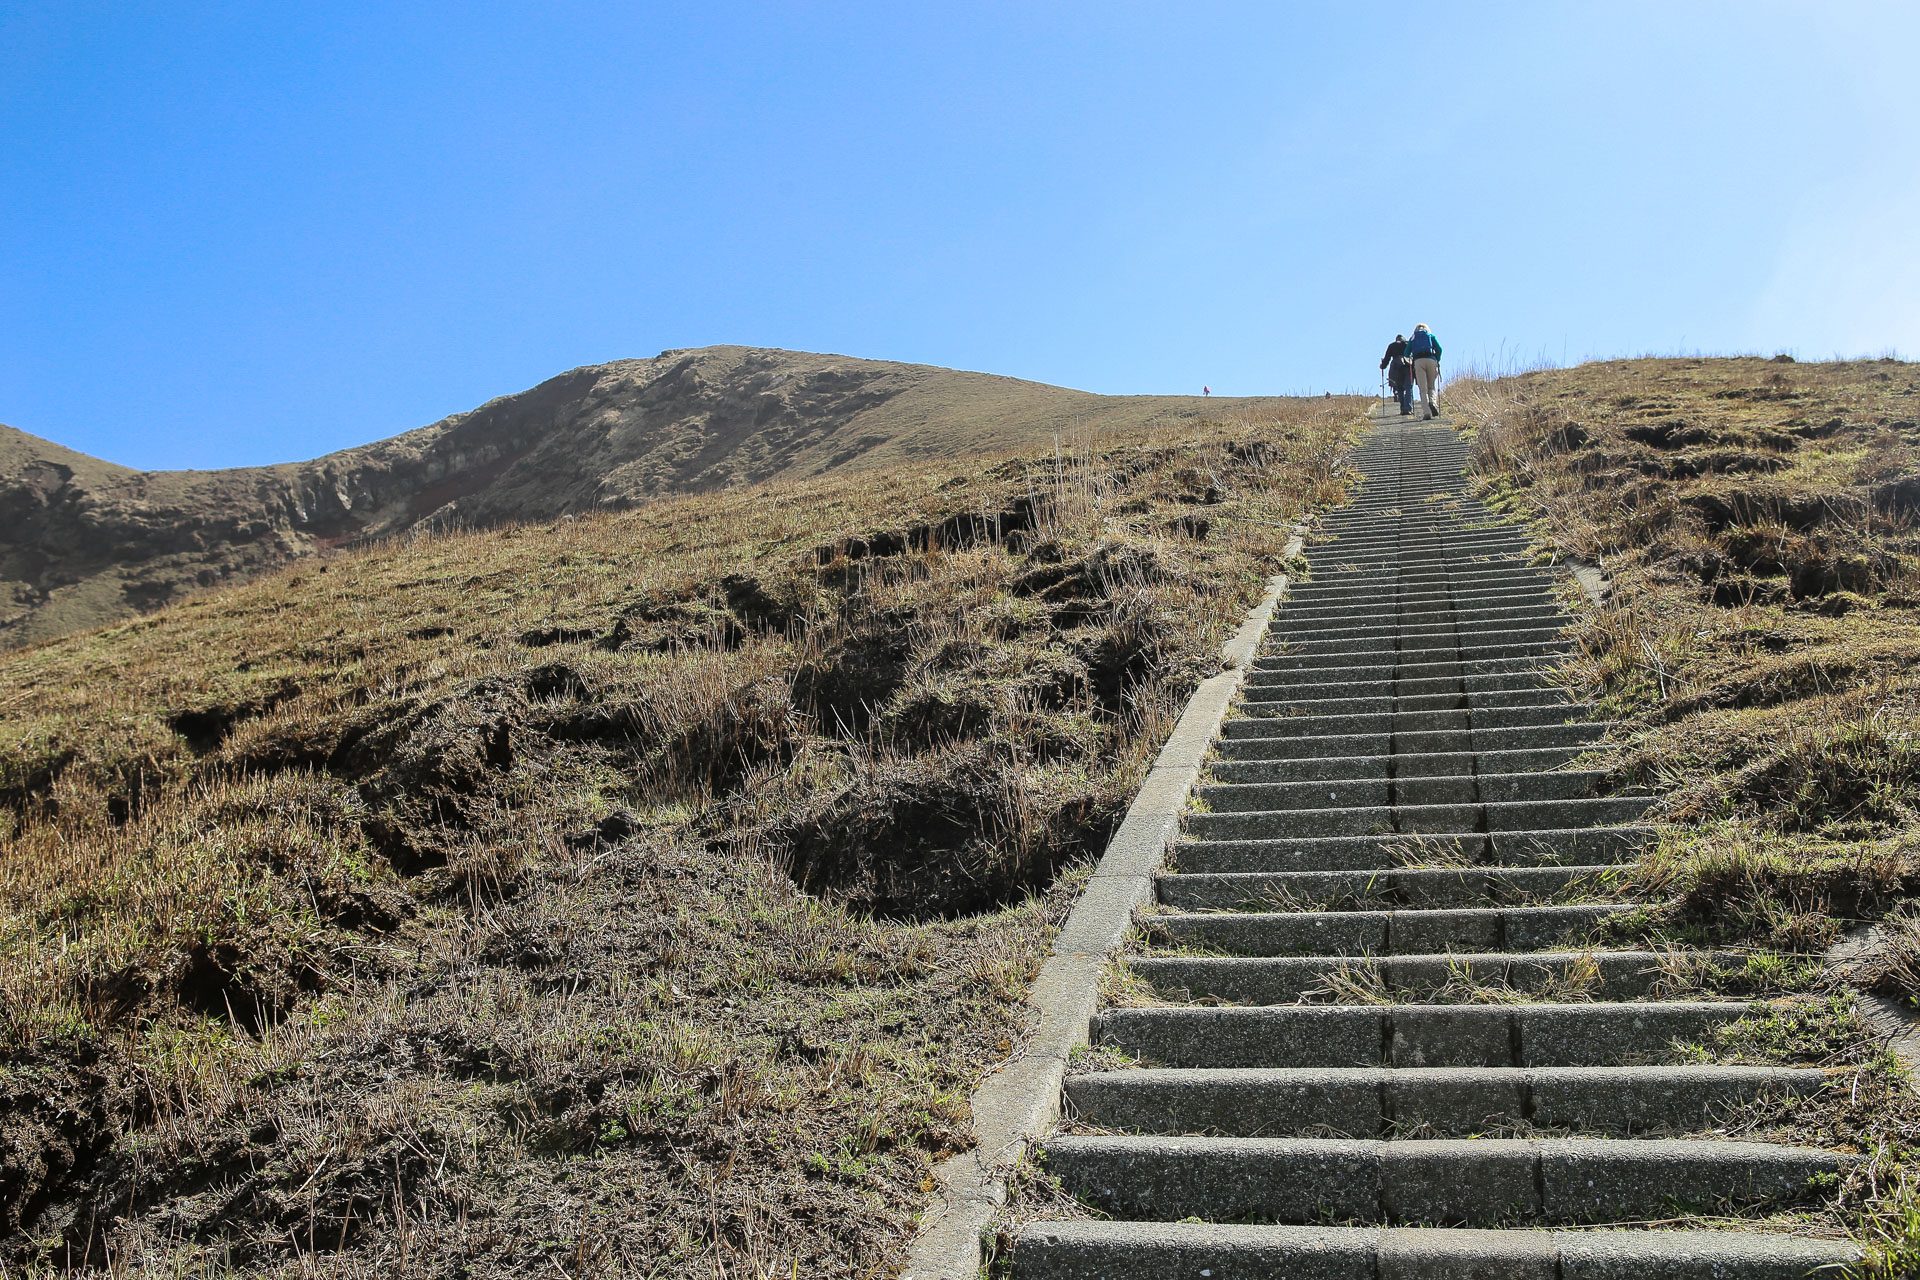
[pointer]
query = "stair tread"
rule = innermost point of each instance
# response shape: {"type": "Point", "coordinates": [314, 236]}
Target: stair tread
{"type": "Point", "coordinates": [1402, 763]}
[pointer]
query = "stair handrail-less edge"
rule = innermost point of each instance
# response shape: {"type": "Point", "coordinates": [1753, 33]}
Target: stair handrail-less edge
{"type": "Point", "coordinates": [1020, 1101]}
{"type": "Point", "coordinates": [1386, 1037]}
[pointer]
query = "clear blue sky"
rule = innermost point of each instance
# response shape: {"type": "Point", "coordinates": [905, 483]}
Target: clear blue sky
{"type": "Point", "coordinates": [254, 232]}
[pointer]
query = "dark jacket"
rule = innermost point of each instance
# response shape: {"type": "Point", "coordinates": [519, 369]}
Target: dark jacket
{"type": "Point", "coordinates": [1395, 362]}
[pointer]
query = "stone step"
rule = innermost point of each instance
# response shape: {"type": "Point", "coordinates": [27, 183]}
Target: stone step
{"type": "Point", "coordinates": [1385, 524]}
{"type": "Point", "coordinates": [1268, 701]}
{"type": "Point", "coordinates": [1397, 887]}
{"type": "Point", "coordinates": [1345, 568]}
{"type": "Point", "coordinates": [1394, 666]}
{"type": "Point", "coordinates": [1369, 619]}
{"type": "Point", "coordinates": [1390, 532]}
{"type": "Point", "coordinates": [1393, 612]}
{"type": "Point", "coordinates": [1416, 1035]}
{"type": "Point", "coordinates": [1396, 640]}
{"type": "Point", "coordinates": [1425, 819]}
{"type": "Point", "coordinates": [1415, 789]}
{"type": "Point", "coordinates": [1362, 565]}
{"type": "Point", "coordinates": [1459, 1183]}
{"type": "Point", "coordinates": [1094, 1250]}
{"type": "Point", "coordinates": [1372, 1001]}
{"type": "Point", "coordinates": [1253, 1102]}
{"type": "Point", "coordinates": [1395, 688]}
{"type": "Point", "coordinates": [1366, 512]}
{"type": "Point", "coordinates": [1360, 556]}
{"type": "Point", "coordinates": [1475, 651]}
{"type": "Point", "coordinates": [1391, 536]}
{"type": "Point", "coordinates": [1433, 764]}
{"type": "Point", "coordinates": [1369, 693]}
{"type": "Point", "coordinates": [1394, 635]}
{"type": "Point", "coordinates": [1382, 531]}
{"type": "Point", "coordinates": [1457, 575]}
{"type": "Point", "coordinates": [1379, 679]}
{"type": "Point", "coordinates": [1338, 569]}
{"type": "Point", "coordinates": [1452, 511]}
{"type": "Point", "coordinates": [1512, 590]}
{"type": "Point", "coordinates": [1254, 723]}
{"type": "Point", "coordinates": [1383, 528]}
{"type": "Point", "coordinates": [1579, 846]}
{"type": "Point", "coordinates": [1365, 558]}
{"type": "Point", "coordinates": [1422, 714]}
{"type": "Point", "coordinates": [1370, 650]}
{"type": "Point", "coordinates": [1371, 559]}
{"type": "Point", "coordinates": [1254, 744]}
{"type": "Point", "coordinates": [1461, 976]}
{"type": "Point", "coordinates": [1405, 932]}
{"type": "Point", "coordinates": [1404, 622]}
{"type": "Point", "coordinates": [1456, 571]}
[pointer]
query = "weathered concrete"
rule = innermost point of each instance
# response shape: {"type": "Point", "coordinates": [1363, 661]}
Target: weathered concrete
{"type": "Point", "coordinates": [1376, 933]}
{"type": "Point", "coordinates": [1415, 1035]}
{"type": "Point", "coordinates": [1366, 1101]}
{"type": "Point", "coordinates": [1021, 1099]}
{"type": "Point", "coordinates": [1156, 1251]}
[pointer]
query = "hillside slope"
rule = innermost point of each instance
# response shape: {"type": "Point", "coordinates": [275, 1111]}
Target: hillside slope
{"type": "Point", "coordinates": [84, 542]}
{"type": "Point", "coordinates": [1759, 523]}
{"type": "Point", "coordinates": [1759, 649]}
{"type": "Point", "coordinates": [640, 894]}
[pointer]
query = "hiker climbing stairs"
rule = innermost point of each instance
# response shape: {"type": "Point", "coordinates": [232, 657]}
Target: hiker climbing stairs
{"type": "Point", "coordinates": [1371, 1036]}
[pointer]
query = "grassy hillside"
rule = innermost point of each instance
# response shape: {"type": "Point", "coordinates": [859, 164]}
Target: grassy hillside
{"type": "Point", "coordinates": [1759, 522]}
{"type": "Point", "coordinates": [83, 542]}
{"type": "Point", "coordinates": [1760, 526]}
{"type": "Point", "coordinates": [633, 893]}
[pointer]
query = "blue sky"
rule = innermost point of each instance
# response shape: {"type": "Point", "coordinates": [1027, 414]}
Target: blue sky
{"type": "Point", "coordinates": [255, 232]}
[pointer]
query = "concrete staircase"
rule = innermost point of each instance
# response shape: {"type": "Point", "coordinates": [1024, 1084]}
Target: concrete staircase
{"type": "Point", "coordinates": [1332, 1084]}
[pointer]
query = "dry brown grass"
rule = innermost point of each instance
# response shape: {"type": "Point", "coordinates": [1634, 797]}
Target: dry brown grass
{"type": "Point", "coordinates": [84, 543]}
{"type": "Point", "coordinates": [639, 893]}
{"type": "Point", "coordinates": [1760, 525]}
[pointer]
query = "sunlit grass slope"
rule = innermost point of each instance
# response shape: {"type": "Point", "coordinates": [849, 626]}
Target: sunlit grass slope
{"type": "Point", "coordinates": [1760, 524]}
{"type": "Point", "coordinates": [638, 893]}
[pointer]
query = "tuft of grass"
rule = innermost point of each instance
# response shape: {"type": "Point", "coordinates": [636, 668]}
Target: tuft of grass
{"type": "Point", "coordinates": [646, 887]}
{"type": "Point", "coordinates": [1736, 883]}
{"type": "Point", "coordinates": [1759, 526]}
{"type": "Point", "coordinates": [1889, 1237]}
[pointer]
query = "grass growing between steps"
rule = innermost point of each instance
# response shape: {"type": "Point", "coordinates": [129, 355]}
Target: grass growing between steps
{"type": "Point", "coordinates": [1759, 522]}
{"type": "Point", "coordinates": [637, 894]}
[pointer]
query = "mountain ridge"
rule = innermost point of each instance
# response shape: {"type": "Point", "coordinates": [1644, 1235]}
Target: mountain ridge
{"type": "Point", "coordinates": [85, 542]}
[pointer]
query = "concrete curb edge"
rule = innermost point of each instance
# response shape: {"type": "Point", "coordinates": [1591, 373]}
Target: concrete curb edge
{"type": "Point", "coordinates": [1019, 1101]}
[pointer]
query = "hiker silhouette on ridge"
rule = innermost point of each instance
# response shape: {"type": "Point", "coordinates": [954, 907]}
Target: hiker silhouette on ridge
{"type": "Point", "coordinates": [1424, 350]}
{"type": "Point", "coordinates": [1399, 372]}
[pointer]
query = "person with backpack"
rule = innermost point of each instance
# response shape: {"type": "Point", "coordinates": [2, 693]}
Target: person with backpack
{"type": "Point", "coordinates": [1424, 350]}
{"type": "Point", "coordinates": [1399, 373]}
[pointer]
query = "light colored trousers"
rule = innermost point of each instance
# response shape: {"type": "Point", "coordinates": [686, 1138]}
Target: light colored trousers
{"type": "Point", "coordinates": [1426, 372]}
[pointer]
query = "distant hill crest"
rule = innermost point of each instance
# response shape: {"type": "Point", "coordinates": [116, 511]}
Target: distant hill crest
{"type": "Point", "coordinates": [85, 542]}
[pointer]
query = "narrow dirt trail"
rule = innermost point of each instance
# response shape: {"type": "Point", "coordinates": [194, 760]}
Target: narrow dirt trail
{"type": "Point", "coordinates": [1371, 1038]}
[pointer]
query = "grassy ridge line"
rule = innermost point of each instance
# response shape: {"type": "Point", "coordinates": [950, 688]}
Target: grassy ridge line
{"type": "Point", "coordinates": [84, 543]}
{"type": "Point", "coordinates": [641, 891]}
{"type": "Point", "coordinates": [1759, 522]}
